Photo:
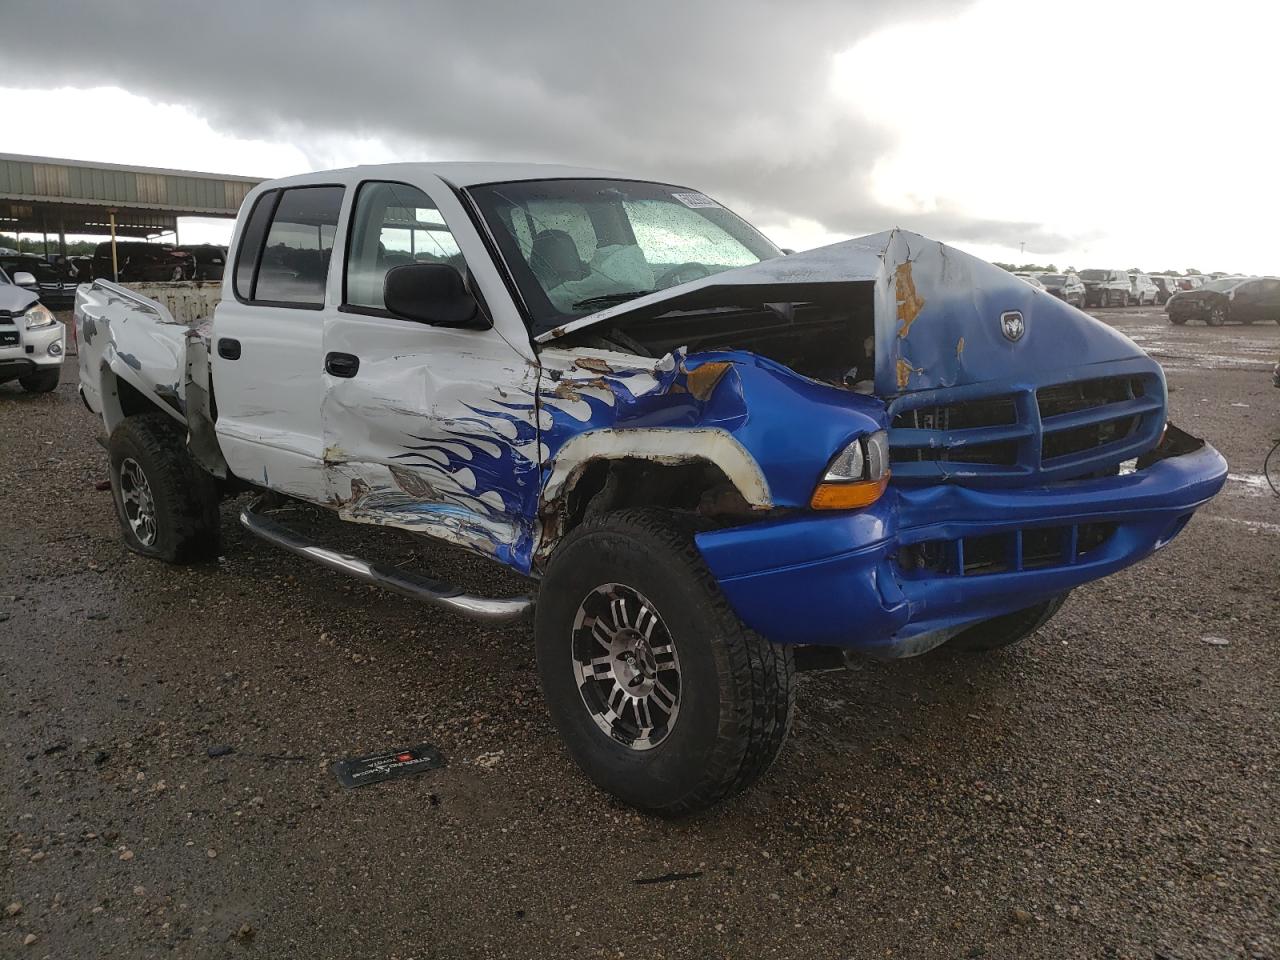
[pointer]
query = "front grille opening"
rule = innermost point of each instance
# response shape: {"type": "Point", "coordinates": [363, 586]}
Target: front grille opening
{"type": "Point", "coordinates": [1087, 394]}
{"type": "Point", "coordinates": [1003, 453]}
{"type": "Point", "coordinates": [990, 554]}
{"type": "Point", "coordinates": [1065, 443]}
{"type": "Point", "coordinates": [1044, 547]}
{"type": "Point", "coordinates": [1091, 536]}
{"type": "Point", "coordinates": [988, 412]}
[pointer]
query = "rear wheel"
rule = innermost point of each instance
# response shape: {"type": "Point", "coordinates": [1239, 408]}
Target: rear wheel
{"type": "Point", "coordinates": [167, 505]}
{"type": "Point", "coordinates": [42, 381]}
{"type": "Point", "coordinates": [661, 695]}
{"type": "Point", "coordinates": [1007, 630]}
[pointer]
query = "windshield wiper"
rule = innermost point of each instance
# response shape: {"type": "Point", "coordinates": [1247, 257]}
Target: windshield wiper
{"type": "Point", "coordinates": [606, 299]}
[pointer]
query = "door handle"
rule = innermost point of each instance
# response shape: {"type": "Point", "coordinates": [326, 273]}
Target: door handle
{"type": "Point", "coordinates": [228, 349]}
{"type": "Point", "coordinates": [341, 364]}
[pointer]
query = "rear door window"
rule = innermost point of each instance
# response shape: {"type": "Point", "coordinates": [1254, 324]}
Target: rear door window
{"type": "Point", "coordinates": [289, 267]}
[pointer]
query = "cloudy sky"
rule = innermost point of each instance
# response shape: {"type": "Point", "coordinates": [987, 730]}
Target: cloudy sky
{"type": "Point", "coordinates": [1096, 134]}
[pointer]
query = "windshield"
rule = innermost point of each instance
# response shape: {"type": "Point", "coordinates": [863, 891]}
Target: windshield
{"type": "Point", "coordinates": [578, 246]}
{"type": "Point", "coordinates": [1053, 278]}
{"type": "Point", "coordinates": [1095, 274]}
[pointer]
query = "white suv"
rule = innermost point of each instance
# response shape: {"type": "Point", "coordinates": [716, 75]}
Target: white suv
{"type": "Point", "coordinates": [1142, 289]}
{"type": "Point", "coordinates": [32, 340]}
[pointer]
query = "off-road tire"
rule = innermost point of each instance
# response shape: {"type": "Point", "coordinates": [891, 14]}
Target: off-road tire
{"type": "Point", "coordinates": [185, 497]}
{"type": "Point", "coordinates": [41, 381]}
{"type": "Point", "coordinates": [1007, 630]}
{"type": "Point", "coordinates": [737, 690]}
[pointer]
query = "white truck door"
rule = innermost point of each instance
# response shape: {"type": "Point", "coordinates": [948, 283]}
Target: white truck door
{"type": "Point", "coordinates": [268, 357]}
{"type": "Point", "coordinates": [428, 428]}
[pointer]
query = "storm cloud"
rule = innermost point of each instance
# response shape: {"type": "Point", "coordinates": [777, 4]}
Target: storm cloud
{"type": "Point", "coordinates": [733, 97]}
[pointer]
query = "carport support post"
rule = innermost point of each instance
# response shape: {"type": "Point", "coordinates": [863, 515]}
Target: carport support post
{"type": "Point", "coordinates": [115, 264]}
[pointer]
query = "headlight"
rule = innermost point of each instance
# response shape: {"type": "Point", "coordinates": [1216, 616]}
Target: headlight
{"type": "Point", "coordinates": [856, 476]}
{"type": "Point", "coordinates": [39, 316]}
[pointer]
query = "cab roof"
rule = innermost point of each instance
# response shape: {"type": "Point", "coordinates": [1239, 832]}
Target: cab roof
{"type": "Point", "coordinates": [460, 174]}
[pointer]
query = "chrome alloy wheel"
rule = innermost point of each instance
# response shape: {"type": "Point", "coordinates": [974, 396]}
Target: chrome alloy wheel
{"type": "Point", "coordinates": [139, 505]}
{"type": "Point", "coordinates": [626, 666]}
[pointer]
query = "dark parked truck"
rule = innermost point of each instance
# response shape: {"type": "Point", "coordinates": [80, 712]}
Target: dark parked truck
{"type": "Point", "coordinates": [715, 464]}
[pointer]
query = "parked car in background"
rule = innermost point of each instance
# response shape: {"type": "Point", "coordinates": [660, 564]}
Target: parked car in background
{"type": "Point", "coordinates": [1142, 289]}
{"type": "Point", "coordinates": [210, 259]}
{"type": "Point", "coordinates": [1243, 299]}
{"type": "Point", "coordinates": [1190, 283]}
{"type": "Point", "coordinates": [32, 340]}
{"type": "Point", "coordinates": [1065, 286]}
{"type": "Point", "coordinates": [1030, 278]}
{"type": "Point", "coordinates": [138, 261]}
{"type": "Point", "coordinates": [1106, 288]}
{"type": "Point", "coordinates": [1166, 287]}
{"type": "Point", "coordinates": [55, 283]}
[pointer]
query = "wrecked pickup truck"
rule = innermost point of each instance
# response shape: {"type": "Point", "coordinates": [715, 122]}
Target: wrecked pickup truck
{"type": "Point", "coordinates": [715, 464]}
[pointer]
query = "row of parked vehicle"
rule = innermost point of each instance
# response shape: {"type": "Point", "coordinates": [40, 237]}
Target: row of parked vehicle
{"type": "Point", "coordinates": [1113, 288]}
{"type": "Point", "coordinates": [1215, 300]}
{"type": "Point", "coordinates": [55, 278]}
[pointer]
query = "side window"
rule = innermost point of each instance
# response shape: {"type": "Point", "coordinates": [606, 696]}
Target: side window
{"type": "Point", "coordinates": [294, 261]}
{"type": "Point", "coordinates": [393, 224]}
{"type": "Point", "coordinates": [255, 229]}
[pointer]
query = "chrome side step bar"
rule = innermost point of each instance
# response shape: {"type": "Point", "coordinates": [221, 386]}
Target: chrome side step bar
{"type": "Point", "coordinates": [412, 585]}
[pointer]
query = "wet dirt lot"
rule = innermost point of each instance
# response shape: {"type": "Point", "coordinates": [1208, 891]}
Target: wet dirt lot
{"type": "Point", "coordinates": [1107, 789]}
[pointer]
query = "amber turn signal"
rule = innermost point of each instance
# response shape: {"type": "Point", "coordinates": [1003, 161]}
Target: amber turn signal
{"type": "Point", "coordinates": [849, 495]}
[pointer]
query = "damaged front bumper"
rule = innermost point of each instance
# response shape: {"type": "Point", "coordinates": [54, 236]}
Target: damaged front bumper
{"type": "Point", "coordinates": [907, 573]}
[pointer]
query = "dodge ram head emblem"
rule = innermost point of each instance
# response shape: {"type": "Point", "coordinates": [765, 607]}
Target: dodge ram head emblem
{"type": "Point", "coordinates": [1012, 325]}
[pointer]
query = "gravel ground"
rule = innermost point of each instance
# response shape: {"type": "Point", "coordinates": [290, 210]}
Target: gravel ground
{"type": "Point", "coordinates": [1107, 789]}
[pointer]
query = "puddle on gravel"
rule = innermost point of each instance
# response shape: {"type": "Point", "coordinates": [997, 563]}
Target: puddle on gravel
{"type": "Point", "coordinates": [1249, 484]}
{"type": "Point", "coordinates": [1256, 526]}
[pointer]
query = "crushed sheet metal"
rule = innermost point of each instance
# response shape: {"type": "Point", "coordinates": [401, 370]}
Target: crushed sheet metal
{"type": "Point", "coordinates": [914, 281]}
{"type": "Point", "coordinates": [910, 303]}
{"type": "Point", "coordinates": [702, 380]}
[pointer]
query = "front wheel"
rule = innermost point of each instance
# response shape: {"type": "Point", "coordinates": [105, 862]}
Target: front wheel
{"type": "Point", "coordinates": [42, 381]}
{"type": "Point", "coordinates": [167, 505]}
{"type": "Point", "coordinates": [1177, 321]}
{"type": "Point", "coordinates": [1007, 630]}
{"type": "Point", "coordinates": [1217, 317]}
{"type": "Point", "coordinates": [661, 695]}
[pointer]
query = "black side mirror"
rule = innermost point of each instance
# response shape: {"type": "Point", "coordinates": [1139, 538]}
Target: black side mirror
{"type": "Point", "coordinates": [433, 293]}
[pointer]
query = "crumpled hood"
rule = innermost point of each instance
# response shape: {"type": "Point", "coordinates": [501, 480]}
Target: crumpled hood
{"type": "Point", "coordinates": [15, 299]}
{"type": "Point", "coordinates": [937, 311]}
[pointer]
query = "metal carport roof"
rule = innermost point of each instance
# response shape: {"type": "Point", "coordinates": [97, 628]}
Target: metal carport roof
{"type": "Point", "coordinates": [53, 196]}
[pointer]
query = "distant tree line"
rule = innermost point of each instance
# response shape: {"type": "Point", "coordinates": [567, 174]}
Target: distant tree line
{"type": "Point", "coordinates": [75, 248]}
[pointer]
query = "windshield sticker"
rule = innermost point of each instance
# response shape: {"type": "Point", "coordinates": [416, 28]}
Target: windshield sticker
{"type": "Point", "coordinates": [695, 200]}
